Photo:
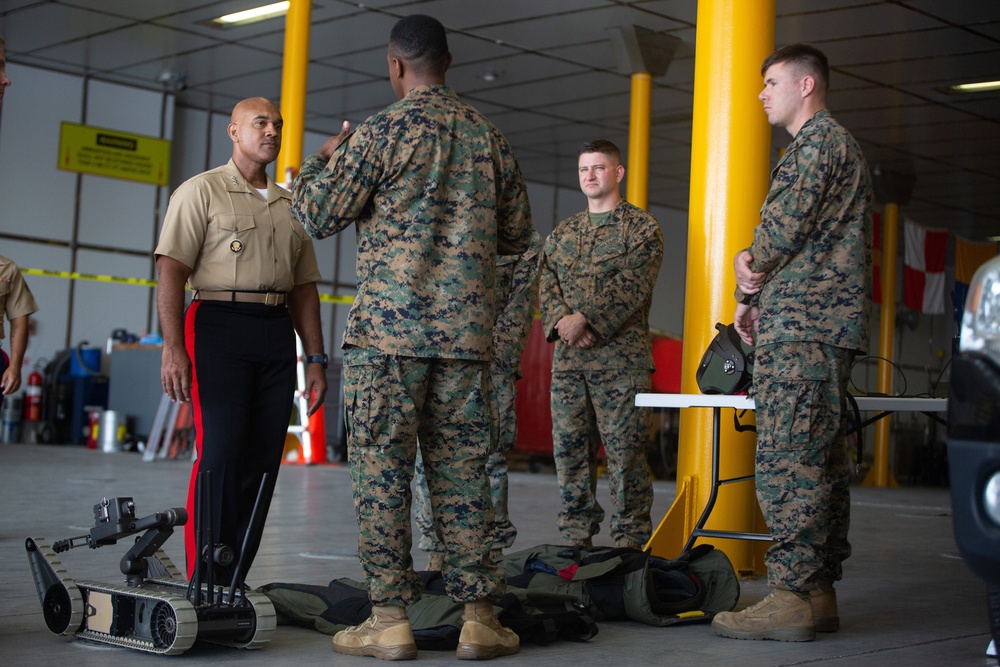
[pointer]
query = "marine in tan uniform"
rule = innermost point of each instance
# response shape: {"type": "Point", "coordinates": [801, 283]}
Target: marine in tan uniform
{"type": "Point", "coordinates": [229, 236]}
{"type": "Point", "coordinates": [17, 303]}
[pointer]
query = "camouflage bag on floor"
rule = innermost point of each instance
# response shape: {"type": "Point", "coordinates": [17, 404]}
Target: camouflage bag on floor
{"type": "Point", "coordinates": [621, 583]}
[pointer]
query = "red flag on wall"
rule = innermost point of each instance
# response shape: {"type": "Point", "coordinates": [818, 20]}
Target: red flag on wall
{"type": "Point", "coordinates": [923, 268]}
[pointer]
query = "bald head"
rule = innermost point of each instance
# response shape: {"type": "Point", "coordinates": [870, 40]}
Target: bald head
{"type": "Point", "coordinates": [255, 129]}
{"type": "Point", "coordinates": [252, 105]}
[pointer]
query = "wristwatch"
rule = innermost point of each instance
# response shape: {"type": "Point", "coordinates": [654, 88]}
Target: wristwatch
{"type": "Point", "coordinates": [318, 359]}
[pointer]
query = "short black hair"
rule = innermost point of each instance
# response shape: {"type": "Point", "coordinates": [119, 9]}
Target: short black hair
{"type": "Point", "coordinates": [804, 57]}
{"type": "Point", "coordinates": [600, 146]}
{"type": "Point", "coordinates": [420, 39]}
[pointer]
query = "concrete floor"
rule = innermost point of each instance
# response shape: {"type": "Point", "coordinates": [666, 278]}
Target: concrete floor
{"type": "Point", "coordinates": [906, 599]}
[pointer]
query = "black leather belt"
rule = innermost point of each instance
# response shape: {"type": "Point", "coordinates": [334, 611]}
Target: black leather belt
{"type": "Point", "coordinates": [266, 298]}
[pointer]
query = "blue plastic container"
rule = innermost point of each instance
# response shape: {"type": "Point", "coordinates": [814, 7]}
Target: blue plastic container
{"type": "Point", "coordinates": [90, 357]}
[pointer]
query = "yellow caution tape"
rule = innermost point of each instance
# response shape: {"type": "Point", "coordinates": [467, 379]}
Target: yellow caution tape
{"type": "Point", "coordinates": [144, 282]}
{"type": "Point", "coordinates": [75, 275]}
{"type": "Point", "coordinates": [333, 298]}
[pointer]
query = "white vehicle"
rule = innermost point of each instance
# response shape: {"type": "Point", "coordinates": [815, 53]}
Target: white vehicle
{"type": "Point", "coordinates": [974, 434]}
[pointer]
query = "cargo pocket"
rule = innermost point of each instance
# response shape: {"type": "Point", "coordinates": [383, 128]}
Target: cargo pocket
{"type": "Point", "coordinates": [366, 398]}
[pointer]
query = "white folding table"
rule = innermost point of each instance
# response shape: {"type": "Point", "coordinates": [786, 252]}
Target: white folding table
{"type": "Point", "coordinates": [882, 405]}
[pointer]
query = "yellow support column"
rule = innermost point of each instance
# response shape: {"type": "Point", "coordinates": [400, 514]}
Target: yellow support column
{"type": "Point", "coordinates": [637, 176]}
{"type": "Point", "coordinates": [729, 179]}
{"type": "Point", "coordinates": [880, 475]}
{"type": "Point", "coordinates": [294, 77]}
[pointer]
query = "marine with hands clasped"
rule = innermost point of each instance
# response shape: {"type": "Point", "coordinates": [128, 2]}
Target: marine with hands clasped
{"type": "Point", "coordinates": [597, 273]}
{"type": "Point", "coordinates": [804, 298]}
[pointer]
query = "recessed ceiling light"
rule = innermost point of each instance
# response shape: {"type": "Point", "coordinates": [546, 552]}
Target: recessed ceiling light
{"type": "Point", "coordinates": [254, 15]}
{"type": "Point", "coordinates": [980, 87]}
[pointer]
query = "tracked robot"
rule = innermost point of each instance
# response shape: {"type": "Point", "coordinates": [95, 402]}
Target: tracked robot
{"type": "Point", "coordinates": [156, 609]}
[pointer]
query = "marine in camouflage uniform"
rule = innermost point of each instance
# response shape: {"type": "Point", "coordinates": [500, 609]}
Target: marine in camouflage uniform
{"type": "Point", "coordinates": [601, 263]}
{"type": "Point", "coordinates": [516, 293]}
{"type": "Point", "coordinates": [811, 256]}
{"type": "Point", "coordinates": [435, 195]}
{"type": "Point", "coordinates": [814, 309]}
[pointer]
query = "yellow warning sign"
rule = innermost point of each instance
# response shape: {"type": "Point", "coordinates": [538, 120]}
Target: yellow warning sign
{"type": "Point", "coordinates": [103, 152]}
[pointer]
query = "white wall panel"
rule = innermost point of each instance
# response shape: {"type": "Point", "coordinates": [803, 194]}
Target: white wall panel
{"type": "Point", "coordinates": [101, 307]}
{"type": "Point", "coordinates": [116, 212]}
{"type": "Point", "coordinates": [37, 197]}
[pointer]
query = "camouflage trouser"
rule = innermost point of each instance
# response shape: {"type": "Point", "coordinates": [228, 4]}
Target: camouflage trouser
{"type": "Point", "coordinates": [589, 407]}
{"type": "Point", "coordinates": [391, 403]}
{"type": "Point", "coordinates": [803, 471]}
{"type": "Point", "coordinates": [503, 530]}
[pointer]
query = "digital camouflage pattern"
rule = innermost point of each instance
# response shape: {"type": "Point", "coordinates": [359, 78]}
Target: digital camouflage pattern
{"type": "Point", "coordinates": [502, 529]}
{"type": "Point", "coordinates": [436, 194]}
{"type": "Point", "coordinates": [607, 272]}
{"type": "Point", "coordinates": [814, 242]}
{"type": "Point", "coordinates": [391, 403]}
{"type": "Point", "coordinates": [517, 296]}
{"type": "Point", "coordinates": [803, 470]}
{"type": "Point", "coordinates": [815, 239]}
{"type": "Point", "coordinates": [588, 407]}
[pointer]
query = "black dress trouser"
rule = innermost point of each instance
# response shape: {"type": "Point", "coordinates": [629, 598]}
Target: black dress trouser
{"type": "Point", "coordinates": [243, 384]}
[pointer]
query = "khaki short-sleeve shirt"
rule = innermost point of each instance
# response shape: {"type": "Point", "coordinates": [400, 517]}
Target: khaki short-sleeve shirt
{"type": "Point", "coordinates": [232, 239]}
{"type": "Point", "coordinates": [16, 299]}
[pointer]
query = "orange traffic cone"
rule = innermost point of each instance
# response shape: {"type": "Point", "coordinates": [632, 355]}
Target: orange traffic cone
{"type": "Point", "coordinates": [316, 428]}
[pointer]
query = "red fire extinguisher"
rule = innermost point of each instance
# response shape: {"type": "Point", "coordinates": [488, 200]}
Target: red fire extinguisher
{"type": "Point", "coordinates": [33, 397]}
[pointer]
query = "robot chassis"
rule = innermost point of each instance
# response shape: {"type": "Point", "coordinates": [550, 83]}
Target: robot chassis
{"type": "Point", "coordinates": [156, 610]}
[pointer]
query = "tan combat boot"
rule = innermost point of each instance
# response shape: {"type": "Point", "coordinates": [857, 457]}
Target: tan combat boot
{"type": "Point", "coordinates": [482, 635]}
{"type": "Point", "coordinates": [824, 604]}
{"type": "Point", "coordinates": [386, 635]}
{"type": "Point", "coordinates": [783, 615]}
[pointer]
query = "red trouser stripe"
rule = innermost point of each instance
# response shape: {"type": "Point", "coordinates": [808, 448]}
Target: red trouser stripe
{"type": "Point", "coordinates": [190, 543]}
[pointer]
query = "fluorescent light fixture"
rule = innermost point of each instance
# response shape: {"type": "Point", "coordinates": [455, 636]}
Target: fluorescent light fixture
{"type": "Point", "coordinates": [980, 87]}
{"type": "Point", "coordinates": [247, 16]}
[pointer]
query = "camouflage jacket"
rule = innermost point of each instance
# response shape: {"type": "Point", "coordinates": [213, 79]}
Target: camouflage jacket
{"type": "Point", "coordinates": [517, 297]}
{"type": "Point", "coordinates": [606, 272]}
{"type": "Point", "coordinates": [436, 195]}
{"type": "Point", "coordinates": [814, 241]}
